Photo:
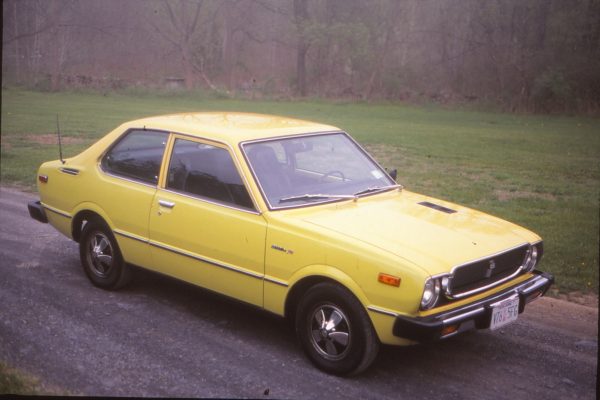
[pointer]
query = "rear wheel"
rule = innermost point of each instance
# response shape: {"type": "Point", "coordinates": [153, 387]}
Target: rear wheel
{"type": "Point", "coordinates": [101, 258]}
{"type": "Point", "coordinates": [335, 330]}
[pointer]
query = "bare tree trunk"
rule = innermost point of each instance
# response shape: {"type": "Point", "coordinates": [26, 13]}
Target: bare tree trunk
{"type": "Point", "coordinates": [377, 71]}
{"type": "Point", "coordinates": [58, 61]}
{"type": "Point", "coordinates": [188, 67]}
{"type": "Point", "coordinates": [593, 26]}
{"type": "Point", "coordinates": [225, 45]}
{"type": "Point", "coordinates": [408, 31]}
{"type": "Point", "coordinates": [300, 18]}
{"type": "Point", "coordinates": [542, 24]}
{"type": "Point", "coordinates": [35, 52]}
{"type": "Point", "coordinates": [301, 69]}
{"type": "Point", "coordinates": [17, 52]}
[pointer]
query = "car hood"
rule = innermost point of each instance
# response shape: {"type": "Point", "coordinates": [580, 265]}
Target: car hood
{"type": "Point", "coordinates": [435, 236]}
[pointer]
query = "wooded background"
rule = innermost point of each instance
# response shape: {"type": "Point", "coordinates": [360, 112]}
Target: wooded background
{"type": "Point", "coordinates": [515, 55]}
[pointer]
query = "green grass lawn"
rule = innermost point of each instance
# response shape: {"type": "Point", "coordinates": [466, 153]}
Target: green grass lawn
{"type": "Point", "coordinates": [14, 381]}
{"type": "Point", "coordinates": [541, 172]}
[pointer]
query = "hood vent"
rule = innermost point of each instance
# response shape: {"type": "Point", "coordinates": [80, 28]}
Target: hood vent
{"type": "Point", "coordinates": [437, 207]}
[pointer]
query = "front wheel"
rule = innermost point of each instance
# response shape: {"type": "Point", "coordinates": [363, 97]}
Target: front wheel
{"type": "Point", "coordinates": [335, 330]}
{"type": "Point", "coordinates": [101, 258]}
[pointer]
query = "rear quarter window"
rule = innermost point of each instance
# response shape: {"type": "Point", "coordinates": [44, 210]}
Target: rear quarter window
{"type": "Point", "coordinates": [137, 155]}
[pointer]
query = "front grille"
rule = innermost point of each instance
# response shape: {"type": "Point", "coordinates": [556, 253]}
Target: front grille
{"type": "Point", "coordinates": [487, 271]}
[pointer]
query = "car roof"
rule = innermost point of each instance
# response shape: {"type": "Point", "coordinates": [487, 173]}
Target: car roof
{"type": "Point", "coordinates": [230, 127]}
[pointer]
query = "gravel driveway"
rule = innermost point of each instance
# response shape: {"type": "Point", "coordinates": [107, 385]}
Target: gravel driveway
{"type": "Point", "coordinates": [160, 337]}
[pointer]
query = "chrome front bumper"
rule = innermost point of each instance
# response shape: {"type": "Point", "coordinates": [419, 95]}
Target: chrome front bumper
{"type": "Point", "coordinates": [476, 315]}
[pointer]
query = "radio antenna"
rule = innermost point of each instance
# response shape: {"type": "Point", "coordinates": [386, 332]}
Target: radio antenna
{"type": "Point", "coordinates": [59, 141]}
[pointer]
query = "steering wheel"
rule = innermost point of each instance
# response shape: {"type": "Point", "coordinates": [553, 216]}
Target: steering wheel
{"type": "Point", "coordinates": [331, 173]}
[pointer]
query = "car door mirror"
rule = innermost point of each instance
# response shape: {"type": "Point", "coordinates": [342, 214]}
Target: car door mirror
{"type": "Point", "coordinates": [393, 173]}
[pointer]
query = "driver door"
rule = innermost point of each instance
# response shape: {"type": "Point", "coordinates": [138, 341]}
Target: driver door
{"type": "Point", "coordinates": [204, 227]}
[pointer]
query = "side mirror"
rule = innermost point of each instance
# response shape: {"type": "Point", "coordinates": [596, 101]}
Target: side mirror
{"type": "Point", "coordinates": [394, 174]}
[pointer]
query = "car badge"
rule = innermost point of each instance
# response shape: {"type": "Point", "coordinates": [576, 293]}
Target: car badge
{"type": "Point", "coordinates": [490, 269]}
{"type": "Point", "coordinates": [279, 248]}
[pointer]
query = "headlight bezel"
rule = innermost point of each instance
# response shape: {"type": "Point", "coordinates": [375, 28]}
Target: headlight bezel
{"type": "Point", "coordinates": [532, 258]}
{"type": "Point", "coordinates": [432, 291]}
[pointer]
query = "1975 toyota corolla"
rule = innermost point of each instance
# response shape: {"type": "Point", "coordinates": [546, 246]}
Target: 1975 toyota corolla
{"type": "Point", "coordinates": [293, 217]}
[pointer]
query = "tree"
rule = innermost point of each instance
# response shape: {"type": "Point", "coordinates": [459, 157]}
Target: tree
{"type": "Point", "coordinates": [191, 38]}
{"type": "Point", "coordinates": [301, 20]}
{"type": "Point", "coordinates": [534, 55]}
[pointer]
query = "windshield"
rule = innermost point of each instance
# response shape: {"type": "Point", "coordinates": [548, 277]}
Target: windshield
{"type": "Point", "coordinates": [314, 169]}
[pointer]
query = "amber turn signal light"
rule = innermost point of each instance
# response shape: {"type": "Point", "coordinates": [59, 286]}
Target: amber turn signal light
{"type": "Point", "coordinates": [534, 295]}
{"type": "Point", "coordinates": [449, 329]}
{"type": "Point", "coordinates": [389, 279]}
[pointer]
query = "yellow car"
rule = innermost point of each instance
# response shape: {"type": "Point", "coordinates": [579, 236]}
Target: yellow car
{"type": "Point", "coordinates": [293, 217]}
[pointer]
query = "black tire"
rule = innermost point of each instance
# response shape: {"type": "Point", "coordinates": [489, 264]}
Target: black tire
{"type": "Point", "coordinates": [101, 257]}
{"type": "Point", "coordinates": [335, 331]}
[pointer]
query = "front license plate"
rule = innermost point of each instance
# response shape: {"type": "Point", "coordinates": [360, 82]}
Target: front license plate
{"type": "Point", "coordinates": [504, 313]}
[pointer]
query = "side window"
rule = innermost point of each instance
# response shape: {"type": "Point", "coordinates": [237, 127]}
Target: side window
{"type": "Point", "coordinates": [137, 155]}
{"type": "Point", "coordinates": [207, 171]}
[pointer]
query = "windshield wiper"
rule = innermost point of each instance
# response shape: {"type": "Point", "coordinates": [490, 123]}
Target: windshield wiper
{"type": "Point", "coordinates": [377, 188]}
{"type": "Point", "coordinates": [337, 196]}
{"type": "Point", "coordinates": [317, 196]}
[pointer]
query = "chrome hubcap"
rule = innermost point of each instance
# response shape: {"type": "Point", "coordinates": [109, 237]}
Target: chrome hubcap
{"type": "Point", "coordinates": [100, 254]}
{"type": "Point", "coordinates": [330, 332]}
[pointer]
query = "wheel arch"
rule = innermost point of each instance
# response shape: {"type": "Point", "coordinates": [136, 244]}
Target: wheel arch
{"type": "Point", "coordinates": [84, 214]}
{"type": "Point", "coordinates": [311, 278]}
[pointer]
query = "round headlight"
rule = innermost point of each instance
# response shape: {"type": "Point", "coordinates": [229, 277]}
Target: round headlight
{"type": "Point", "coordinates": [530, 258]}
{"type": "Point", "coordinates": [431, 293]}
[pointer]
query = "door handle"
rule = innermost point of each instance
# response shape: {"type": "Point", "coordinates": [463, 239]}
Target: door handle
{"type": "Point", "coordinates": [167, 204]}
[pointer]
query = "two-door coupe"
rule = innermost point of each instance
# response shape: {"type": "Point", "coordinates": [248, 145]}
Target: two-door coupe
{"type": "Point", "coordinates": [293, 217]}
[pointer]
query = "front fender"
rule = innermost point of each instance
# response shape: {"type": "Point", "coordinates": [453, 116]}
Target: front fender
{"type": "Point", "coordinates": [279, 295]}
{"type": "Point", "coordinates": [331, 273]}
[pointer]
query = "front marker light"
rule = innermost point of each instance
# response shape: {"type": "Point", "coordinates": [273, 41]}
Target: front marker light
{"type": "Point", "coordinates": [388, 279]}
{"type": "Point", "coordinates": [431, 293]}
